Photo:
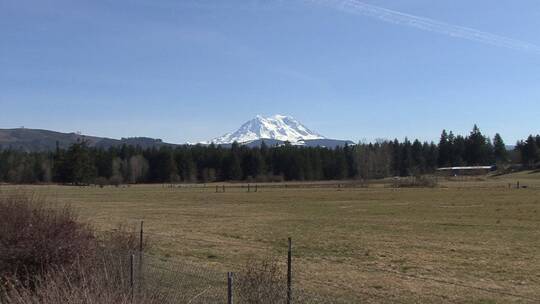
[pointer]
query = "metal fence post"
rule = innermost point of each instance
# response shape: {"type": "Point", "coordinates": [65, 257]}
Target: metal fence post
{"type": "Point", "coordinates": [141, 237]}
{"type": "Point", "coordinates": [289, 273]}
{"type": "Point", "coordinates": [229, 288]}
{"type": "Point", "coordinates": [131, 278]}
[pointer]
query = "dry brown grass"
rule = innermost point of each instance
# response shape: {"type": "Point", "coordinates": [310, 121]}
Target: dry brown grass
{"type": "Point", "coordinates": [464, 241]}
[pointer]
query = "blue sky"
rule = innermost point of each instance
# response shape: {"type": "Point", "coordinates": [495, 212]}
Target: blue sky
{"type": "Point", "coordinates": [192, 70]}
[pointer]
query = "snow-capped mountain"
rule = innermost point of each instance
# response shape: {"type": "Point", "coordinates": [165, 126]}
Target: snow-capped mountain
{"type": "Point", "coordinates": [277, 127]}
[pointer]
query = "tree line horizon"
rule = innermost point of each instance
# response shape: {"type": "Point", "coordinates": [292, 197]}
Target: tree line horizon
{"type": "Point", "coordinates": [81, 164]}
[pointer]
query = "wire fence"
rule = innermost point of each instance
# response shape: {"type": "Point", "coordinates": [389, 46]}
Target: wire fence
{"type": "Point", "coordinates": [427, 181]}
{"type": "Point", "coordinates": [280, 278]}
{"type": "Point", "coordinates": [178, 282]}
{"type": "Point", "coordinates": [172, 281]}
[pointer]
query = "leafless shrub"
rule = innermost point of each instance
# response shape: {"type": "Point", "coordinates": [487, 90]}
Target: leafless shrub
{"type": "Point", "coordinates": [103, 281]}
{"type": "Point", "coordinates": [101, 181]}
{"type": "Point", "coordinates": [116, 180]}
{"type": "Point", "coordinates": [122, 240]}
{"type": "Point", "coordinates": [262, 282]}
{"type": "Point", "coordinates": [48, 256]}
{"type": "Point", "coordinates": [416, 182]}
{"type": "Point", "coordinates": [268, 178]}
{"type": "Point", "coordinates": [35, 238]}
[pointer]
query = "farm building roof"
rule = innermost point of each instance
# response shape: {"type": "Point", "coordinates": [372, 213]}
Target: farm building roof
{"type": "Point", "coordinates": [467, 168]}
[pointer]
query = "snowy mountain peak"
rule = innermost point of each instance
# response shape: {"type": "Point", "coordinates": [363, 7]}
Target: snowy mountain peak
{"type": "Point", "coordinates": [279, 127]}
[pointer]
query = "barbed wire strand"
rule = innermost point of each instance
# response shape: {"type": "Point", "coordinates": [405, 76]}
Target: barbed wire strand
{"type": "Point", "coordinates": [409, 276]}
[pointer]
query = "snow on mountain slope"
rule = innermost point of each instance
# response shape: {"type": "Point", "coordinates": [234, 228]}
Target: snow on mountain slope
{"type": "Point", "coordinates": [279, 127]}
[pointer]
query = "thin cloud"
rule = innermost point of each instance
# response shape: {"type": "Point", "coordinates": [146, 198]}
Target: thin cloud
{"type": "Point", "coordinates": [427, 24]}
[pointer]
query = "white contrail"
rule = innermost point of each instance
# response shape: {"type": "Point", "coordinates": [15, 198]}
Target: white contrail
{"type": "Point", "coordinates": [427, 24]}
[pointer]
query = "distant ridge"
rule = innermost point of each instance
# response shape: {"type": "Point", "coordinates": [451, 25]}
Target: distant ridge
{"type": "Point", "coordinates": [33, 140]}
{"type": "Point", "coordinates": [275, 130]}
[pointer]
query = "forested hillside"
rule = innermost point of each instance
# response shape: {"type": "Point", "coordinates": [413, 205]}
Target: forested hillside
{"type": "Point", "coordinates": [82, 164]}
{"type": "Point", "coordinates": [36, 140]}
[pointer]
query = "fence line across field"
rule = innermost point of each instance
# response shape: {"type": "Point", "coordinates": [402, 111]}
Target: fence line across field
{"type": "Point", "coordinates": [378, 270]}
{"type": "Point", "coordinates": [269, 248]}
{"type": "Point", "coordinates": [141, 264]}
{"type": "Point", "coordinates": [255, 187]}
{"type": "Point", "coordinates": [143, 258]}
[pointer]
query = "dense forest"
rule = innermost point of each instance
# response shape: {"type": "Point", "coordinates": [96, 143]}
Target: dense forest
{"type": "Point", "coordinates": [80, 164]}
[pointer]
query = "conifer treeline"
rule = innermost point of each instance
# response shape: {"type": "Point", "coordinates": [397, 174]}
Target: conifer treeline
{"type": "Point", "coordinates": [81, 164]}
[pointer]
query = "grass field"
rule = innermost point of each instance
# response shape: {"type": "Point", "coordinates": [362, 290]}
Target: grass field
{"type": "Point", "coordinates": [466, 241]}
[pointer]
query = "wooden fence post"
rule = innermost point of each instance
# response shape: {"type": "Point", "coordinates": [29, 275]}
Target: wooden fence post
{"type": "Point", "coordinates": [289, 273]}
{"type": "Point", "coordinates": [141, 248]}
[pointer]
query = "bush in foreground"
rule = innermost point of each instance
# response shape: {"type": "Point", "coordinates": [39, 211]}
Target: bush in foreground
{"type": "Point", "coordinates": [35, 239]}
{"type": "Point", "coordinates": [261, 282]}
{"type": "Point", "coordinates": [47, 256]}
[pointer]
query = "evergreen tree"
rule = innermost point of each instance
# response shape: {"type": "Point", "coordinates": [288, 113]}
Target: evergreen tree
{"type": "Point", "coordinates": [81, 168]}
{"type": "Point", "coordinates": [340, 166]}
{"type": "Point", "coordinates": [396, 158]}
{"type": "Point", "coordinates": [187, 169]}
{"type": "Point", "coordinates": [162, 165]}
{"type": "Point", "coordinates": [418, 163]}
{"type": "Point", "coordinates": [445, 150]}
{"type": "Point", "coordinates": [81, 164]}
{"type": "Point", "coordinates": [476, 151]}
{"type": "Point", "coordinates": [351, 162]}
{"type": "Point", "coordinates": [233, 168]}
{"type": "Point", "coordinates": [406, 158]}
{"type": "Point", "coordinates": [459, 148]}
{"type": "Point", "coordinates": [431, 156]}
{"type": "Point", "coordinates": [103, 163]}
{"type": "Point", "coordinates": [499, 149]}
{"type": "Point", "coordinates": [529, 151]}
